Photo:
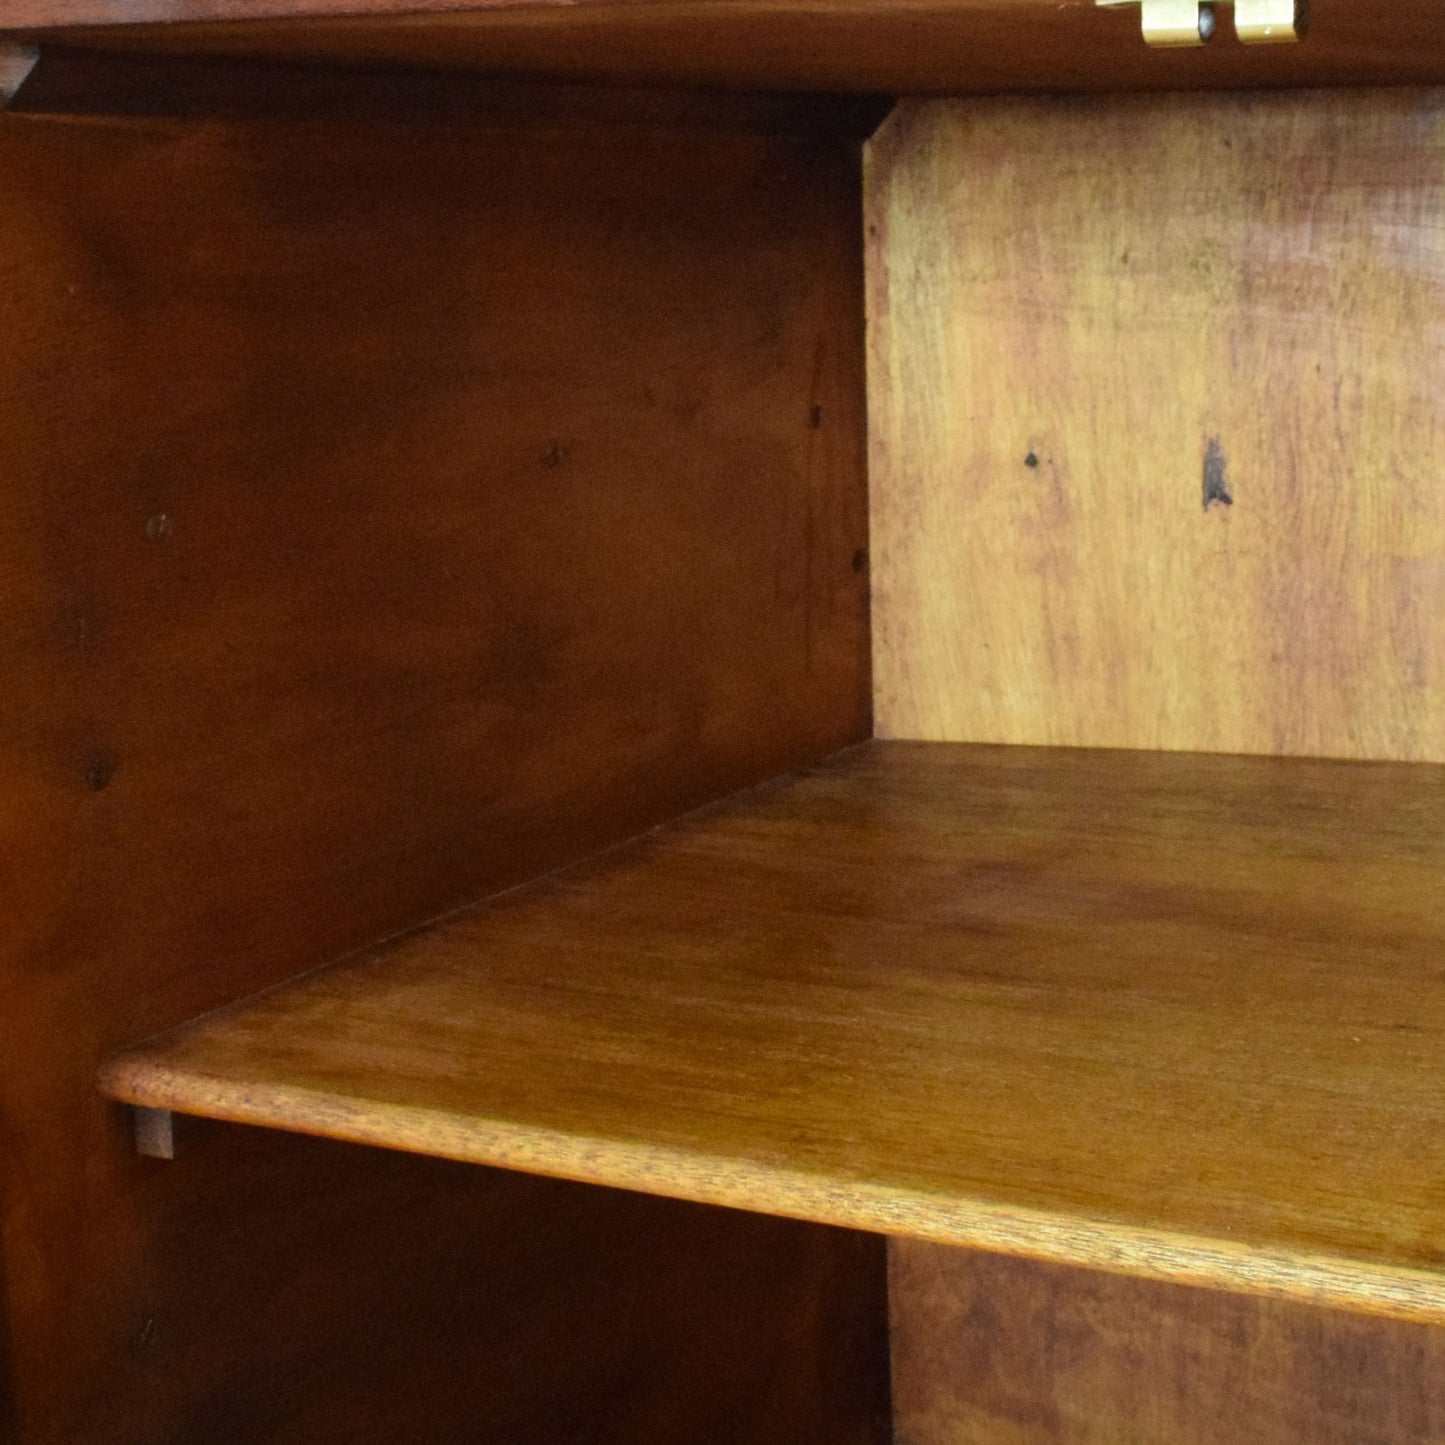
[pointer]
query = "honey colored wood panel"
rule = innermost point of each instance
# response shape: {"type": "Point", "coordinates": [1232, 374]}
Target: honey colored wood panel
{"type": "Point", "coordinates": [1167, 1015]}
{"type": "Point", "coordinates": [885, 46]}
{"type": "Point", "coordinates": [996, 1351]}
{"type": "Point", "coordinates": [1158, 423]}
{"type": "Point", "coordinates": [394, 510]}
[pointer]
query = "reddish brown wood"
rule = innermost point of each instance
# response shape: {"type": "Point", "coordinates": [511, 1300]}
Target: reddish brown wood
{"type": "Point", "coordinates": [122, 12]}
{"type": "Point", "coordinates": [888, 46]}
{"type": "Point", "coordinates": [304, 1294]}
{"type": "Point", "coordinates": [393, 510]}
{"type": "Point", "coordinates": [995, 1351]}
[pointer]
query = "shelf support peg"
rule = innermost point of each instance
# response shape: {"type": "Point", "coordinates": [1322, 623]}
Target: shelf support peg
{"type": "Point", "coordinates": [155, 1132]}
{"type": "Point", "coordinates": [16, 63]}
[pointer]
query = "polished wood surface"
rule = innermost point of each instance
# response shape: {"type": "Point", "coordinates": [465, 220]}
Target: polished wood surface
{"type": "Point", "coordinates": [394, 510]}
{"type": "Point", "coordinates": [995, 1351]}
{"type": "Point", "coordinates": [887, 46]}
{"type": "Point", "coordinates": [1158, 405]}
{"type": "Point", "coordinates": [1168, 1015]}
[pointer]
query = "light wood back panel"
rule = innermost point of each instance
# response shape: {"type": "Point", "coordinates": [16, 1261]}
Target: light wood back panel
{"type": "Point", "coordinates": [1158, 407]}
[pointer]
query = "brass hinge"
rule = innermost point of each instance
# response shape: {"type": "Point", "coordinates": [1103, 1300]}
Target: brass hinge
{"type": "Point", "coordinates": [1191, 22]}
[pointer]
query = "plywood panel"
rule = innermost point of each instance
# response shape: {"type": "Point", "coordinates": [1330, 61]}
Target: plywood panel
{"type": "Point", "coordinates": [994, 1351]}
{"type": "Point", "coordinates": [888, 46]}
{"type": "Point", "coordinates": [393, 510]}
{"type": "Point", "coordinates": [1158, 422]}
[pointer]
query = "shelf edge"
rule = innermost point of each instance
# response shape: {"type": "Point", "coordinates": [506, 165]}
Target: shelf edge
{"type": "Point", "coordinates": [1336, 1282]}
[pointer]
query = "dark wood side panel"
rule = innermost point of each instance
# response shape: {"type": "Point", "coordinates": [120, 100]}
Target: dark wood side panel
{"type": "Point", "coordinates": [392, 511]}
{"type": "Point", "coordinates": [483, 1306]}
{"type": "Point", "coordinates": [989, 1350]}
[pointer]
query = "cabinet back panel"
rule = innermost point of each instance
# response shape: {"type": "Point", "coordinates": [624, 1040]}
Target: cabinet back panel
{"type": "Point", "coordinates": [997, 1351]}
{"type": "Point", "coordinates": [1158, 419]}
{"type": "Point", "coordinates": [393, 511]}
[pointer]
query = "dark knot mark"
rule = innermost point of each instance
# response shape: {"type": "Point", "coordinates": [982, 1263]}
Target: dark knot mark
{"type": "Point", "coordinates": [99, 771]}
{"type": "Point", "coordinates": [1216, 487]}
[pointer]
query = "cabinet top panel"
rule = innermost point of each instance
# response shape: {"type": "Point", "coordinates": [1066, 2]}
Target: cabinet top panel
{"type": "Point", "coordinates": [1177, 1016]}
{"type": "Point", "coordinates": [883, 46]}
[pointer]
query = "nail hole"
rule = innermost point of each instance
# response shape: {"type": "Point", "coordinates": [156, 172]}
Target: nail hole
{"type": "Point", "coordinates": [99, 771]}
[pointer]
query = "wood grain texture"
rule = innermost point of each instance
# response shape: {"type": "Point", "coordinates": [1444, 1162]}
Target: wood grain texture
{"type": "Point", "coordinates": [995, 1351]}
{"type": "Point", "coordinates": [1158, 423]}
{"type": "Point", "coordinates": [884, 46]}
{"type": "Point", "coordinates": [1166, 1015]}
{"type": "Point", "coordinates": [394, 510]}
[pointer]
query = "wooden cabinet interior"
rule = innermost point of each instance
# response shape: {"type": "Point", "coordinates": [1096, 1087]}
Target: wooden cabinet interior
{"type": "Point", "coordinates": [420, 482]}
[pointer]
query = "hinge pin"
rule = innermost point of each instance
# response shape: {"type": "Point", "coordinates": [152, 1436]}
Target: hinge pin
{"type": "Point", "coordinates": [1191, 22]}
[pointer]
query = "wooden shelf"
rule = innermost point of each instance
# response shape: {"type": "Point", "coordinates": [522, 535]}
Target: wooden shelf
{"type": "Point", "coordinates": [1176, 1016]}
